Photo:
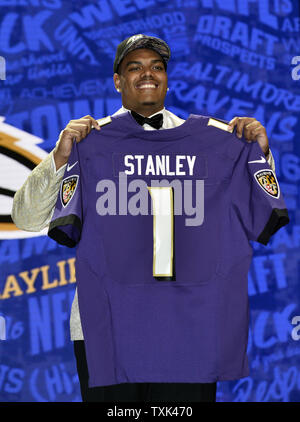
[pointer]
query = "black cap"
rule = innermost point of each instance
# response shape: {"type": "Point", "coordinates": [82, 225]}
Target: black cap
{"type": "Point", "coordinates": [142, 41]}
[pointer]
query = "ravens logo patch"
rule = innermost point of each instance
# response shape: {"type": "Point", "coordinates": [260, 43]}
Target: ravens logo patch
{"type": "Point", "coordinates": [268, 182]}
{"type": "Point", "coordinates": [68, 188]}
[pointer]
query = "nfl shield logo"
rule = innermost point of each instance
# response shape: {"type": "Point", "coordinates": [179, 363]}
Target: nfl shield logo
{"type": "Point", "coordinates": [268, 182]}
{"type": "Point", "coordinates": [68, 189]}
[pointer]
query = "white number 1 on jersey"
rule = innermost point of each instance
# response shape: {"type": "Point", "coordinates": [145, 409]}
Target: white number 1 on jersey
{"type": "Point", "coordinates": [163, 214]}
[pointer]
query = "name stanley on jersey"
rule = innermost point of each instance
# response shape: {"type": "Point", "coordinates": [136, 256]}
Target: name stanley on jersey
{"type": "Point", "coordinates": [187, 195]}
{"type": "Point", "coordinates": [159, 165]}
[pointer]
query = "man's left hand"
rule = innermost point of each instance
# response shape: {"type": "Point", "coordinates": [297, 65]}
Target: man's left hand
{"type": "Point", "coordinates": [253, 131]}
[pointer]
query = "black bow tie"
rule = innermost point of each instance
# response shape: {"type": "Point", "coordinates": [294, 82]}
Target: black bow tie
{"type": "Point", "coordinates": [155, 121]}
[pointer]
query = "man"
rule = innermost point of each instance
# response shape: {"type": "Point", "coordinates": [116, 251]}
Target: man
{"type": "Point", "coordinates": [140, 76]}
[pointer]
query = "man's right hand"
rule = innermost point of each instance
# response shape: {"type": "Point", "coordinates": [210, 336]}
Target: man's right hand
{"type": "Point", "coordinates": [75, 129]}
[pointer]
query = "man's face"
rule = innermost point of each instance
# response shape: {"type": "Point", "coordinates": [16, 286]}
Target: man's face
{"type": "Point", "coordinates": [142, 81]}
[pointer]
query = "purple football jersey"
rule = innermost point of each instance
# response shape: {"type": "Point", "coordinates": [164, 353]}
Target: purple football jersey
{"type": "Point", "coordinates": [163, 220]}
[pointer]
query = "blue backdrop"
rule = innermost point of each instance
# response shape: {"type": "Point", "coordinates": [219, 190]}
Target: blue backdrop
{"type": "Point", "coordinates": [229, 58]}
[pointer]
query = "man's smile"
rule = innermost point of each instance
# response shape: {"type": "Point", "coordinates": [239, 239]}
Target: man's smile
{"type": "Point", "coordinates": [146, 85]}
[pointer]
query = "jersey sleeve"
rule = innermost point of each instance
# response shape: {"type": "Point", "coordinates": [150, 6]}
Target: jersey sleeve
{"type": "Point", "coordinates": [256, 196]}
{"type": "Point", "coordinates": [65, 226]}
